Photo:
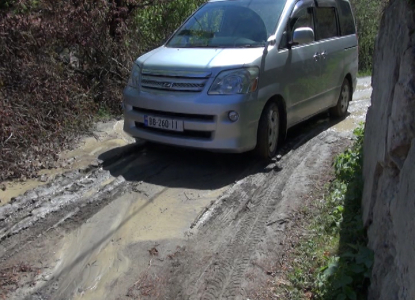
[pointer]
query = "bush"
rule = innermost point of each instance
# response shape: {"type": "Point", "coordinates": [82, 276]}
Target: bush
{"type": "Point", "coordinates": [332, 261]}
{"type": "Point", "coordinates": [62, 62]}
{"type": "Point", "coordinates": [367, 14]}
{"type": "Point", "coordinates": [155, 23]}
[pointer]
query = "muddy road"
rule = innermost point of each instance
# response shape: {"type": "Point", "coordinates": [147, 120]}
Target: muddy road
{"type": "Point", "coordinates": [137, 221]}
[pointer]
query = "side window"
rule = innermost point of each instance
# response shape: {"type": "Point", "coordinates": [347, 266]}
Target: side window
{"type": "Point", "coordinates": [346, 18]}
{"type": "Point", "coordinates": [326, 23]}
{"type": "Point", "coordinates": [301, 18]}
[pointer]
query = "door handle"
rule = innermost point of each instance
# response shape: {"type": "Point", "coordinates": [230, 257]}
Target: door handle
{"type": "Point", "coordinates": [316, 56]}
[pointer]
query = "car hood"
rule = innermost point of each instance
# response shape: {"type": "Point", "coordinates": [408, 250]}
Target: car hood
{"type": "Point", "coordinates": [199, 60]}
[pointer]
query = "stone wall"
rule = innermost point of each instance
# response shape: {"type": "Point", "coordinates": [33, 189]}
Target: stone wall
{"type": "Point", "coordinates": [389, 156]}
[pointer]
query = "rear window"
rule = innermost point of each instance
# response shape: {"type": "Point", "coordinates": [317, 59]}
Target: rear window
{"type": "Point", "coordinates": [347, 25]}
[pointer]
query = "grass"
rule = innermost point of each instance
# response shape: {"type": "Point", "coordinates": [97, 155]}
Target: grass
{"type": "Point", "coordinates": [333, 262]}
{"type": "Point", "coordinates": [103, 114]}
{"type": "Point", "coordinates": [364, 73]}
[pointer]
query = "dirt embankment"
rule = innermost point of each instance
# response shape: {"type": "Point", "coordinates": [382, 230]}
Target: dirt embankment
{"type": "Point", "coordinates": [142, 221]}
{"type": "Point", "coordinates": [61, 64]}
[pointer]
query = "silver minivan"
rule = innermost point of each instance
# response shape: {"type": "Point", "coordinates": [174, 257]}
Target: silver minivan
{"type": "Point", "coordinates": [238, 73]}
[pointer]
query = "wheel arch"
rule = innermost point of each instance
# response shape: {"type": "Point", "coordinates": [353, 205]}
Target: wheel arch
{"type": "Point", "coordinates": [350, 80]}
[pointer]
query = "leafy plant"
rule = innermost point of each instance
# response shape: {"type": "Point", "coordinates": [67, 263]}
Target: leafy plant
{"type": "Point", "coordinates": [367, 14]}
{"type": "Point", "coordinates": [341, 263]}
{"type": "Point", "coordinates": [155, 23]}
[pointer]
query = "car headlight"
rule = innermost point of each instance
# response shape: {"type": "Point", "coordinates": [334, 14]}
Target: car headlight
{"type": "Point", "coordinates": [239, 81]}
{"type": "Point", "coordinates": [134, 80]}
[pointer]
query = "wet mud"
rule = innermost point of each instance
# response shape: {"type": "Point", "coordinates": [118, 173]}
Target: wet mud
{"type": "Point", "coordinates": [144, 221]}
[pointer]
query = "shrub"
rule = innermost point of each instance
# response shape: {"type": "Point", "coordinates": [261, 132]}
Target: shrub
{"type": "Point", "coordinates": [62, 62]}
{"type": "Point", "coordinates": [367, 14]}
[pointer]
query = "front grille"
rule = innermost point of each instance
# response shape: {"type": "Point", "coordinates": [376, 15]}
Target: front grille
{"type": "Point", "coordinates": [173, 83]}
{"type": "Point", "coordinates": [188, 117]}
{"type": "Point", "coordinates": [203, 135]}
{"type": "Point", "coordinates": [169, 85]}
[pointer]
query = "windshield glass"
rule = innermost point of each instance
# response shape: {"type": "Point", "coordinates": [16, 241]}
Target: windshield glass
{"type": "Point", "coordinates": [229, 24]}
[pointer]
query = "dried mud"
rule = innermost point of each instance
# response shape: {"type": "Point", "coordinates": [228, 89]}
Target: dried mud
{"type": "Point", "coordinates": [142, 221]}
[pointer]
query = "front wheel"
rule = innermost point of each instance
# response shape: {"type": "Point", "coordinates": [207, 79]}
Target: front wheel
{"type": "Point", "coordinates": [268, 131]}
{"type": "Point", "coordinates": [340, 110]}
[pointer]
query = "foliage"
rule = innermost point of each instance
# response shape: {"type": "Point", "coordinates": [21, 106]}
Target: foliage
{"type": "Point", "coordinates": [334, 263]}
{"type": "Point", "coordinates": [155, 23]}
{"type": "Point", "coordinates": [367, 14]}
{"type": "Point", "coordinates": [65, 63]}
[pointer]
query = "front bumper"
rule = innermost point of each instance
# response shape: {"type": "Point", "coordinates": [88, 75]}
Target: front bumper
{"type": "Point", "coordinates": [205, 119]}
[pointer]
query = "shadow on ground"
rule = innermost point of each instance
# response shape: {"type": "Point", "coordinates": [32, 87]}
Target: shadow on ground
{"type": "Point", "coordinates": [196, 169]}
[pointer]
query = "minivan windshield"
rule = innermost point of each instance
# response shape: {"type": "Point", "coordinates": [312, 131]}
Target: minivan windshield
{"type": "Point", "coordinates": [229, 24]}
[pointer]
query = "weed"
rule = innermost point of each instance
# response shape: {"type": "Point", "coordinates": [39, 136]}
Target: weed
{"type": "Point", "coordinates": [364, 73]}
{"type": "Point", "coordinates": [334, 262]}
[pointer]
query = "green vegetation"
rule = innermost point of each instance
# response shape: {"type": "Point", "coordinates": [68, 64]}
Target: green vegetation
{"type": "Point", "coordinates": [155, 23]}
{"type": "Point", "coordinates": [364, 73]}
{"type": "Point", "coordinates": [64, 64]}
{"type": "Point", "coordinates": [367, 14]}
{"type": "Point", "coordinates": [333, 262]}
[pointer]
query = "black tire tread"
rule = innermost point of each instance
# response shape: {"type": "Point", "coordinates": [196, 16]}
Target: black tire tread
{"type": "Point", "coordinates": [262, 148]}
{"type": "Point", "coordinates": [336, 112]}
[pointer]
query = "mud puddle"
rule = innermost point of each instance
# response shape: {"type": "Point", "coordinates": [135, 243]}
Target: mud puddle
{"type": "Point", "coordinates": [358, 107]}
{"type": "Point", "coordinates": [96, 254]}
{"type": "Point", "coordinates": [106, 136]}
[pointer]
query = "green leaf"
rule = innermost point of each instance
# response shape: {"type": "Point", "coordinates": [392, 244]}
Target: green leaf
{"type": "Point", "coordinates": [350, 293]}
{"type": "Point", "coordinates": [341, 297]}
{"type": "Point", "coordinates": [348, 254]}
{"type": "Point", "coordinates": [364, 256]}
{"type": "Point", "coordinates": [342, 281]}
{"type": "Point", "coordinates": [332, 267]}
{"type": "Point", "coordinates": [355, 268]}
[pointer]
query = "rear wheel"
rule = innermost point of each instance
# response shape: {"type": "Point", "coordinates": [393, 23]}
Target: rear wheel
{"type": "Point", "coordinates": [340, 110]}
{"type": "Point", "coordinates": [268, 131]}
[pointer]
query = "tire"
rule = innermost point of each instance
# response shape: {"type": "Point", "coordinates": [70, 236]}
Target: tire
{"type": "Point", "coordinates": [268, 131]}
{"type": "Point", "coordinates": [340, 110]}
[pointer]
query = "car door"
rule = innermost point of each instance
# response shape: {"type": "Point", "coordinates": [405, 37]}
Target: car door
{"type": "Point", "coordinates": [330, 52]}
{"type": "Point", "coordinates": [302, 69]}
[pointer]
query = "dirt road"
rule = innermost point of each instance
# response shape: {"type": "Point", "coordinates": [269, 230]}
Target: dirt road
{"type": "Point", "coordinates": [138, 221]}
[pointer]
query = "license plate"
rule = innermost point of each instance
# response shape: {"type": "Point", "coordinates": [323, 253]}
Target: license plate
{"type": "Point", "coordinates": [163, 123]}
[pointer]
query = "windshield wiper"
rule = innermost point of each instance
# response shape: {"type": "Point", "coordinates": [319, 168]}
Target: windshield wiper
{"type": "Point", "coordinates": [200, 46]}
{"type": "Point", "coordinates": [250, 45]}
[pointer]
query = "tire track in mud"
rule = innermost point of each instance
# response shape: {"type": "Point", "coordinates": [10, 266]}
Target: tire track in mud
{"type": "Point", "coordinates": [240, 220]}
{"type": "Point", "coordinates": [73, 195]}
{"type": "Point", "coordinates": [78, 195]}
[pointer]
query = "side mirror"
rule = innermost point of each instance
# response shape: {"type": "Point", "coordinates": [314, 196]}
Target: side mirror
{"type": "Point", "coordinates": [302, 35]}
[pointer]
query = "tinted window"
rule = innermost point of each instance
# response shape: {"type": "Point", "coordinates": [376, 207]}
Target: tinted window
{"type": "Point", "coordinates": [304, 18]}
{"type": "Point", "coordinates": [301, 18]}
{"type": "Point", "coordinates": [326, 23]}
{"type": "Point", "coordinates": [347, 25]}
